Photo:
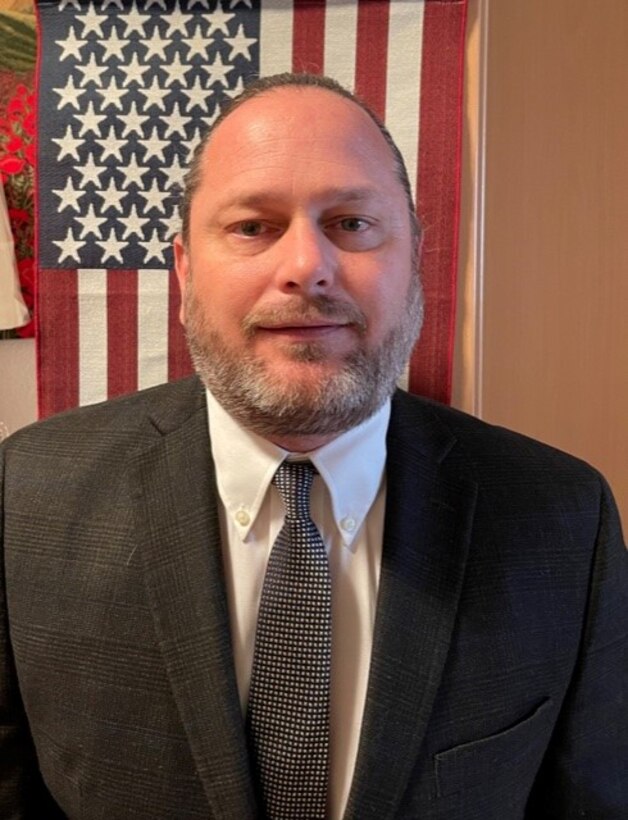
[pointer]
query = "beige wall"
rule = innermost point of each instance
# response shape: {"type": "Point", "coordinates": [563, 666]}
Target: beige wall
{"type": "Point", "coordinates": [555, 273]}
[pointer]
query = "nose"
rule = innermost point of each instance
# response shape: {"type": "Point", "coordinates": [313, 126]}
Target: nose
{"type": "Point", "coordinates": [307, 259]}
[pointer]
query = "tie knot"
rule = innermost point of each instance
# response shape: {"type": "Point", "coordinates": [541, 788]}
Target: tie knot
{"type": "Point", "coordinates": [294, 479]}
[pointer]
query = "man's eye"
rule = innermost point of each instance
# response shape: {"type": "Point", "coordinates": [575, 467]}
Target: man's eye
{"type": "Point", "coordinates": [250, 228]}
{"type": "Point", "coordinates": [353, 224]}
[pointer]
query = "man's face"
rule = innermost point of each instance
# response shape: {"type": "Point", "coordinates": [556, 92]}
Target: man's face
{"type": "Point", "coordinates": [299, 265]}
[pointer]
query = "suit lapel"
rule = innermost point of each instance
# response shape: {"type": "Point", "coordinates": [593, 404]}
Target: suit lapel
{"type": "Point", "coordinates": [429, 511]}
{"type": "Point", "coordinates": [179, 529]}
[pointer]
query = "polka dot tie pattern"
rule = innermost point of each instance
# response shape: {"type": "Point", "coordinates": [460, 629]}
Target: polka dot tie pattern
{"type": "Point", "coordinates": [288, 711]}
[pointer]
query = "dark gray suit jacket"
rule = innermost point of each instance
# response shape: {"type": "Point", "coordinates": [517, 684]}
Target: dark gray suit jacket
{"type": "Point", "coordinates": [499, 677]}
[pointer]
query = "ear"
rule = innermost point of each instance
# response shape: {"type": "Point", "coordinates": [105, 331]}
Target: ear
{"type": "Point", "coordinates": [182, 269]}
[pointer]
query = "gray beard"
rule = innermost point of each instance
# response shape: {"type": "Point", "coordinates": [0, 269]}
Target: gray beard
{"type": "Point", "coordinates": [275, 407]}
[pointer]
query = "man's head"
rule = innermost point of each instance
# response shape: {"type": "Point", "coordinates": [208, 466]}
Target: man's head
{"type": "Point", "coordinates": [297, 261]}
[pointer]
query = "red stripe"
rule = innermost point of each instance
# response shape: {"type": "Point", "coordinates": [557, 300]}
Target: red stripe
{"type": "Point", "coordinates": [179, 364]}
{"type": "Point", "coordinates": [439, 185]}
{"type": "Point", "coordinates": [57, 341]}
{"type": "Point", "coordinates": [308, 36]}
{"type": "Point", "coordinates": [372, 54]}
{"type": "Point", "coordinates": [121, 332]}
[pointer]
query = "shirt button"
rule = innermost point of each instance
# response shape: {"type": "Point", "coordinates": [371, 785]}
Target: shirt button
{"type": "Point", "coordinates": [242, 517]}
{"type": "Point", "coordinates": [348, 524]}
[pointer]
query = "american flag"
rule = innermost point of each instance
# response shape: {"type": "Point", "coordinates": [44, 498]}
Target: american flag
{"type": "Point", "coordinates": [125, 88]}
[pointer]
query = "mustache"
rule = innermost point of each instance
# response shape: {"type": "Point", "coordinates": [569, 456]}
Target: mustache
{"type": "Point", "coordinates": [316, 308]}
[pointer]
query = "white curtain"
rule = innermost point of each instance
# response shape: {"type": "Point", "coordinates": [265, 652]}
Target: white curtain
{"type": "Point", "coordinates": [13, 311]}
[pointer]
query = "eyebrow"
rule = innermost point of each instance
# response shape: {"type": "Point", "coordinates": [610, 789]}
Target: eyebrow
{"type": "Point", "coordinates": [338, 195]}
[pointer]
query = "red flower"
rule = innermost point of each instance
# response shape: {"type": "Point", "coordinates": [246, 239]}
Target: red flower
{"type": "Point", "coordinates": [29, 153]}
{"type": "Point", "coordinates": [29, 123]}
{"type": "Point", "coordinates": [14, 145]}
{"type": "Point", "coordinates": [11, 165]}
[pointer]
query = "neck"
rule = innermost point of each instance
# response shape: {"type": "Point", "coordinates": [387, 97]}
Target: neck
{"type": "Point", "coordinates": [301, 444]}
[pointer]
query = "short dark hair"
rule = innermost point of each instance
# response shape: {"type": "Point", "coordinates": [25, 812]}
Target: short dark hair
{"type": "Point", "coordinates": [261, 86]}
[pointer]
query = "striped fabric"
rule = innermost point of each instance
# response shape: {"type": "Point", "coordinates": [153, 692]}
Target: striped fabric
{"type": "Point", "coordinates": [125, 87]}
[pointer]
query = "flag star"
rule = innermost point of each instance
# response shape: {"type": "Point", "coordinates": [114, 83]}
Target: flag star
{"type": "Point", "coordinates": [68, 144]}
{"type": "Point", "coordinates": [90, 120]}
{"type": "Point", "coordinates": [154, 197]}
{"type": "Point", "coordinates": [176, 70]}
{"type": "Point", "coordinates": [69, 247]}
{"type": "Point", "coordinates": [134, 224]}
{"type": "Point", "coordinates": [178, 21]}
{"type": "Point", "coordinates": [113, 46]}
{"type": "Point", "coordinates": [68, 196]}
{"type": "Point", "coordinates": [154, 146]}
{"type": "Point", "coordinates": [111, 196]}
{"type": "Point", "coordinates": [133, 121]}
{"type": "Point", "coordinates": [172, 226]}
{"type": "Point", "coordinates": [204, 4]}
{"type": "Point", "coordinates": [90, 172]}
{"type": "Point", "coordinates": [134, 21]}
{"type": "Point", "coordinates": [198, 44]}
{"type": "Point", "coordinates": [133, 172]}
{"type": "Point", "coordinates": [176, 122]}
{"type": "Point", "coordinates": [90, 223]}
{"type": "Point", "coordinates": [218, 71]}
{"type": "Point", "coordinates": [175, 172]}
{"type": "Point", "coordinates": [92, 71]}
{"type": "Point", "coordinates": [92, 21]}
{"type": "Point", "coordinates": [219, 21]}
{"type": "Point", "coordinates": [155, 46]}
{"type": "Point", "coordinates": [70, 94]}
{"type": "Point", "coordinates": [154, 247]}
{"type": "Point", "coordinates": [112, 94]}
{"type": "Point", "coordinates": [154, 94]}
{"type": "Point", "coordinates": [71, 46]}
{"type": "Point", "coordinates": [112, 246]}
{"type": "Point", "coordinates": [197, 96]}
{"type": "Point", "coordinates": [111, 145]}
{"type": "Point", "coordinates": [135, 70]}
{"type": "Point", "coordinates": [237, 89]}
{"type": "Point", "coordinates": [240, 44]}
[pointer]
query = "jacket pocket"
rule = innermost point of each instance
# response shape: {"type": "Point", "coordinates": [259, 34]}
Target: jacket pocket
{"type": "Point", "coordinates": [516, 751]}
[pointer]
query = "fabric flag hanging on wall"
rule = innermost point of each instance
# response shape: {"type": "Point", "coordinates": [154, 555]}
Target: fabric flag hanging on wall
{"type": "Point", "coordinates": [125, 87]}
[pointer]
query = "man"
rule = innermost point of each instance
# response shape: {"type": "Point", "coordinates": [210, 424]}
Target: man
{"type": "Point", "coordinates": [479, 579]}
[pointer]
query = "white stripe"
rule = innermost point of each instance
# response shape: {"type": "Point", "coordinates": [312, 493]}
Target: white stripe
{"type": "Point", "coordinates": [341, 33]}
{"type": "Point", "coordinates": [92, 335]}
{"type": "Point", "coordinates": [403, 83]}
{"type": "Point", "coordinates": [275, 42]}
{"type": "Point", "coordinates": [152, 327]}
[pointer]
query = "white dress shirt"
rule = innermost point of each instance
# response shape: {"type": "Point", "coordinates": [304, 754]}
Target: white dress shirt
{"type": "Point", "coordinates": [347, 504]}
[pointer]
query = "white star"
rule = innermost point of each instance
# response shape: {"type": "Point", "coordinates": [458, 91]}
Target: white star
{"type": "Point", "coordinates": [176, 70]}
{"type": "Point", "coordinates": [240, 44]}
{"type": "Point", "coordinates": [111, 247]}
{"type": "Point", "coordinates": [68, 196]}
{"type": "Point", "coordinates": [198, 44]}
{"type": "Point", "coordinates": [113, 46]}
{"type": "Point", "coordinates": [177, 21]}
{"type": "Point", "coordinates": [112, 95]}
{"type": "Point", "coordinates": [174, 173]}
{"type": "Point", "coordinates": [69, 247]}
{"type": "Point", "coordinates": [134, 21]}
{"type": "Point", "coordinates": [132, 121]}
{"type": "Point", "coordinates": [92, 21]}
{"type": "Point", "coordinates": [197, 96]}
{"type": "Point", "coordinates": [71, 46]}
{"type": "Point", "coordinates": [111, 196]}
{"type": "Point", "coordinates": [154, 247]}
{"type": "Point", "coordinates": [155, 46]}
{"type": "Point", "coordinates": [70, 94]}
{"type": "Point", "coordinates": [154, 94]}
{"type": "Point", "coordinates": [154, 197]}
{"type": "Point", "coordinates": [68, 144]}
{"type": "Point", "coordinates": [111, 145]}
{"type": "Point", "coordinates": [90, 120]}
{"type": "Point", "coordinates": [133, 172]}
{"type": "Point", "coordinates": [176, 122]}
{"type": "Point", "coordinates": [135, 70]}
{"type": "Point", "coordinates": [218, 71]}
{"type": "Point", "coordinates": [219, 21]}
{"type": "Point", "coordinates": [92, 71]}
{"type": "Point", "coordinates": [172, 226]}
{"type": "Point", "coordinates": [154, 146]}
{"type": "Point", "coordinates": [134, 224]}
{"type": "Point", "coordinates": [90, 223]}
{"type": "Point", "coordinates": [90, 172]}
{"type": "Point", "coordinates": [237, 89]}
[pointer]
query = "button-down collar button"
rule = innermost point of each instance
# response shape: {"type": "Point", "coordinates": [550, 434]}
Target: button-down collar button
{"type": "Point", "coordinates": [348, 524]}
{"type": "Point", "coordinates": [242, 517]}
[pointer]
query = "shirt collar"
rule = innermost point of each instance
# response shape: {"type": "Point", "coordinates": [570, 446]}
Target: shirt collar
{"type": "Point", "coordinates": [352, 466]}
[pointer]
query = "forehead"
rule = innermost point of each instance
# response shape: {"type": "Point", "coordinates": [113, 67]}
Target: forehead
{"type": "Point", "coordinates": [298, 135]}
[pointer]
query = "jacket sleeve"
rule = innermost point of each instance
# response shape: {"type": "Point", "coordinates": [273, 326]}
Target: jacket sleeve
{"type": "Point", "coordinates": [585, 770]}
{"type": "Point", "coordinates": [23, 795]}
